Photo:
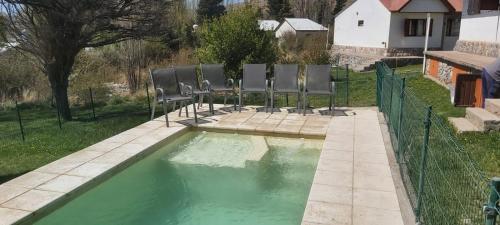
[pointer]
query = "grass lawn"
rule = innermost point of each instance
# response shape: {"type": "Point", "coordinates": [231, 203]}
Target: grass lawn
{"type": "Point", "coordinates": [45, 142]}
{"type": "Point", "coordinates": [483, 147]}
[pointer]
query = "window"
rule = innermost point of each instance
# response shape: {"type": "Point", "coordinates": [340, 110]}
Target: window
{"type": "Point", "coordinates": [361, 23]}
{"type": "Point", "coordinates": [416, 27]}
{"type": "Point", "coordinates": [475, 6]}
{"type": "Point", "coordinates": [452, 27]}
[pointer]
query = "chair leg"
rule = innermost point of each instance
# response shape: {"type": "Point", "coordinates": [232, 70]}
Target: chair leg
{"type": "Point", "coordinates": [186, 106]}
{"type": "Point", "coordinates": [225, 98]}
{"type": "Point", "coordinates": [180, 108]}
{"type": "Point", "coordinates": [272, 102]}
{"type": "Point", "coordinates": [331, 108]}
{"type": "Point", "coordinates": [194, 111]}
{"type": "Point", "coordinates": [286, 99]}
{"type": "Point", "coordinates": [265, 102]}
{"type": "Point", "coordinates": [166, 112]}
{"type": "Point", "coordinates": [240, 102]}
{"type": "Point", "coordinates": [234, 100]}
{"type": "Point", "coordinates": [153, 110]}
{"type": "Point", "coordinates": [298, 102]}
{"type": "Point", "coordinates": [211, 104]}
{"type": "Point", "coordinates": [304, 101]}
{"type": "Point", "coordinates": [200, 100]}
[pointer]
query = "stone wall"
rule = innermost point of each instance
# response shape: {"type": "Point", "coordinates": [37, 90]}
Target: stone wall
{"type": "Point", "coordinates": [342, 49]}
{"type": "Point", "coordinates": [490, 49]}
{"type": "Point", "coordinates": [387, 52]}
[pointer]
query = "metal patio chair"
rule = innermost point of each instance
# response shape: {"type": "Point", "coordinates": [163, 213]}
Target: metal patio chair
{"type": "Point", "coordinates": [286, 81]}
{"type": "Point", "coordinates": [253, 81]}
{"type": "Point", "coordinates": [318, 82]}
{"type": "Point", "coordinates": [169, 90]}
{"type": "Point", "coordinates": [187, 75]}
{"type": "Point", "coordinates": [214, 74]}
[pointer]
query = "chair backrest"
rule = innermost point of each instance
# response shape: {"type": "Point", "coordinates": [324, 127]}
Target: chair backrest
{"type": "Point", "coordinates": [286, 76]}
{"type": "Point", "coordinates": [318, 77]}
{"type": "Point", "coordinates": [214, 73]}
{"type": "Point", "coordinates": [165, 78]}
{"type": "Point", "coordinates": [254, 76]}
{"type": "Point", "coordinates": [187, 75]}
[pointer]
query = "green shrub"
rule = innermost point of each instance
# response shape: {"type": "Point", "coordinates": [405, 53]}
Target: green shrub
{"type": "Point", "coordinates": [235, 39]}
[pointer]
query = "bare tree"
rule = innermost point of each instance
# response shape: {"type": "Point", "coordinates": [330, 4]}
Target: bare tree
{"type": "Point", "coordinates": [55, 31]}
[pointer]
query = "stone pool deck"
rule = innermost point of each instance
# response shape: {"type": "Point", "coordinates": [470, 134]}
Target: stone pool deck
{"type": "Point", "coordinates": [352, 184]}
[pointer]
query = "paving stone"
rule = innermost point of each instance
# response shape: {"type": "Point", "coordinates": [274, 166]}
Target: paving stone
{"type": "Point", "coordinates": [90, 169]}
{"type": "Point", "coordinates": [338, 155]}
{"type": "Point", "coordinates": [313, 130]}
{"type": "Point", "coordinates": [370, 157]}
{"type": "Point", "coordinates": [130, 148]}
{"type": "Point", "coordinates": [371, 169]}
{"type": "Point", "coordinates": [10, 216]}
{"type": "Point", "coordinates": [379, 183]}
{"type": "Point", "coordinates": [335, 165]}
{"type": "Point", "coordinates": [375, 199]}
{"type": "Point", "coordinates": [378, 148]}
{"type": "Point", "coordinates": [63, 183]}
{"type": "Point", "coordinates": [32, 200]}
{"type": "Point", "coordinates": [278, 116]}
{"type": "Point", "coordinates": [340, 144]}
{"type": "Point", "coordinates": [288, 129]}
{"type": "Point", "coordinates": [113, 158]}
{"type": "Point", "coordinates": [272, 121]}
{"type": "Point", "coordinates": [331, 194]}
{"type": "Point", "coordinates": [260, 115]}
{"type": "Point", "coordinates": [292, 122]}
{"type": "Point", "coordinates": [333, 178]}
{"type": "Point", "coordinates": [103, 146]}
{"type": "Point", "coordinates": [328, 213]}
{"type": "Point", "coordinates": [266, 127]}
{"type": "Point", "coordinates": [373, 216]}
{"type": "Point", "coordinates": [31, 179]}
{"type": "Point", "coordinates": [8, 192]}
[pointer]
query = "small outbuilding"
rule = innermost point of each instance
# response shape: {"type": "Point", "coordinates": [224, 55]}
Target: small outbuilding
{"type": "Point", "coordinates": [301, 28]}
{"type": "Point", "coordinates": [268, 25]}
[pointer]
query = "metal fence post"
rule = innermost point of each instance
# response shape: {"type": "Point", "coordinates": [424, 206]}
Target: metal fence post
{"type": "Point", "coordinates": [147, 96]}
{"type": "Point", "coordinates": [58, 115]}
{"type": "Point", "coordinates": [423, 162]}
{"type": "Point", "coordinates": [382, 77]}
{"type": "Point", "coordinates": [92, 102]}
{"type": "Point", "coordinates": [492, 208]}
{"type": "Point", "coordinates": [389, 112]}
{"type": "Point", "coordinates": [400, 119]}
{"type": "Point", "coordinates": [347, 82]}
{"type": "Point", "coordinates": [20, 121]}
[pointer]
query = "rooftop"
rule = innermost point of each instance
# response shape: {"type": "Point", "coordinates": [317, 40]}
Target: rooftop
{"type": "Point", "coordinates": [304, 24]}
{"type": "Point", "coordinates": [397, 5]}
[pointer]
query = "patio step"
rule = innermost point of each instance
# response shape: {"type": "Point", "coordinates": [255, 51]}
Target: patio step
{"type": "Point", "coordinates": [482, 119]}
{"type": "Point", "coordinates": [493, 106]}
{"type": "Point", "coordinates": [462, 125]}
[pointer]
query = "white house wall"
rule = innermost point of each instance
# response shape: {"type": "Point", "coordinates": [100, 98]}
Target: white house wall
{"type": "Point", "coordinates": [373, 33]}
{"type": "Point", "coordinates": [398, 40]}
{"type": "Point", "coordinates": [480, 27]}
{"type": "Point", "coordinates": [283, 29]}
{"type": "Point", "coordinates": [425, 6]}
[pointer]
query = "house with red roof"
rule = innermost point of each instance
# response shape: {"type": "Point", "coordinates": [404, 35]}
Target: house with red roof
{"type": "Point", "coordinates": [371, 30]}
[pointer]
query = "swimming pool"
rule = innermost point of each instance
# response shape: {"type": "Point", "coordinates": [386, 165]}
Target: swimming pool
{"type": "Point", "coordinates": [203, 178]}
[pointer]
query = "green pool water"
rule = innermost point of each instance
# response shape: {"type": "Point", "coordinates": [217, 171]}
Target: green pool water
{"type": "Point", "coordinates": [203, 178]}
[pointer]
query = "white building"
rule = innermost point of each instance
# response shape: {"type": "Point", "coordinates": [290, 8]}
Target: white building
{"type": "Point", "coordinates": [396, 27]}
{"type": "Point", "coordinates": [300, 27]}
{"type": "Point", "coordinates": [268, 25]}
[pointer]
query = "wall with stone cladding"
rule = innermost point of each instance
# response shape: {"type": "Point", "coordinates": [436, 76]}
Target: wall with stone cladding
{"type": "Point", "coordinates": [490, 49]}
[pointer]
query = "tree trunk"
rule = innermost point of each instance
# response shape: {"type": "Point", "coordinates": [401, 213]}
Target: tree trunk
{"type": "Point", "coordinates": [58, 72]}
{"type": "Point", "coordinates": [61, 95]}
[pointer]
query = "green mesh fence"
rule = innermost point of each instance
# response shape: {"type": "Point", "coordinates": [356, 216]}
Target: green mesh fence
{"type": "Point", "coordinates": [443, 183]}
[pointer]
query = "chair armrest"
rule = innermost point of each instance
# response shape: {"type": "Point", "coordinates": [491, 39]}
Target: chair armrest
{"type": "Point", "coordinates": [272, 85]}
{"type": "Point", "coordinates": [186, 89]}
{"type": "Point", "coordinates": [332, 86]}
{"type": "Point", "coordinates": [267, 84]}
{"type": "Point", "coordinates": [240, 85]}
{"type": "Point", "coordinates": [206, 86]}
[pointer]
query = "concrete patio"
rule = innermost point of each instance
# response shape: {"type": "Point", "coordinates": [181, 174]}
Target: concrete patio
{"type": "Point", "coordinates": [353, 183]}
